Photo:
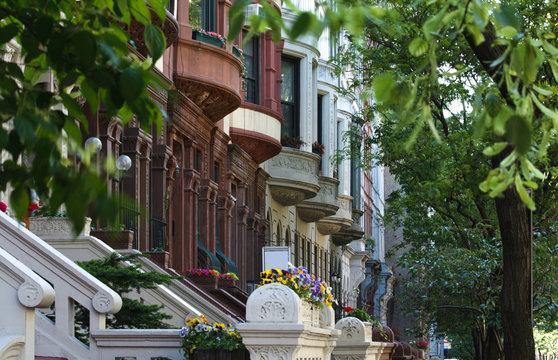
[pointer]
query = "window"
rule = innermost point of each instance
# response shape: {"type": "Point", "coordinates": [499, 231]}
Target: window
{"type": "Point", "coordinates": [320, 117]}
{"type": "Point", "coordinates": [289, 96]}
{"type": "Point", "coordinates": [201, 13]}
{"type": "Point", "coordinates": [251, 52]}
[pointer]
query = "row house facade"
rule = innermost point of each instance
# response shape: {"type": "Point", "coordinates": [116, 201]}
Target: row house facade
{"type": "Point", "coordinates": [215, 188]}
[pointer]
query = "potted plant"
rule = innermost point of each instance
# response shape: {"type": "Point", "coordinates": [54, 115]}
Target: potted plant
{"type": "Point", "coordinates": [208, 37]}
{"type": "Point", "coordinates": [307, 286]}
{"type": "Point", "coordinates": [292, 141]}
{"type": "Point", "coordinates": [159, 256]}
{"type": "Point", "coordinates": [422, 344]}
{"type": "Point", "coordinates": [379, 333]}
{"type": "Point", "coordinates": [237, 51]}
{"type": "Point", "coordinates": [227, 280]}
{"type": "Point", "coordinates": [202, 340]}
{"type": "Point", "coordinates": [117, 237]}
{"type": "Point", "coordinates": [205, 278]}
{"type": "Point", "coordinates": [318, 148]}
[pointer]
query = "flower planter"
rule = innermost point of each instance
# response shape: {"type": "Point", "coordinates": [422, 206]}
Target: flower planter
{"type": "Point", "coordinates": [310, 314]}
{"type": "Point", "coordinates": [205, 282]}
{"type": "Point", "coordinates": [236, 52]}
{"type": "Point", "coordinates": [226, 283]}
{"type": "Point", "coordinates": [208, 39]}
{"type": "Point", "coordinates": [116, 239]}
{"type": "Point", "coordinates": [56, 227]}
{"type": "Point", "coordinates": [219, 354]}
{"type": "Point", "coordinates": [160, 258]}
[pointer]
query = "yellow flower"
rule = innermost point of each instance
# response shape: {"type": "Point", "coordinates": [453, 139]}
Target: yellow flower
{"type": "Point", "coordinates": [279, 272]}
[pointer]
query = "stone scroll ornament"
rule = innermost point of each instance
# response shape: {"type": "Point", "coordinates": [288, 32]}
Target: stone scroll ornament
{"type": "Point", "coordinates": [352, 329]}
{"type": "Point", "coordinates": [273, 303]}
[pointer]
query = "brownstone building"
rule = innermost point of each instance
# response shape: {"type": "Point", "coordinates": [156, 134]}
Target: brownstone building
{"type": "Point", "coordinates": [197, 190]}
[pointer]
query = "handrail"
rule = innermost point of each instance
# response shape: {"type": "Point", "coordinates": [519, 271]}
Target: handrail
{"type": "Point", "coordinates": [71, 282]}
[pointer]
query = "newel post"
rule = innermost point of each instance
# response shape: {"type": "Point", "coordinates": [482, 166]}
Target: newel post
{"type": "Point", "coordinates": [356, 342]}
{"type": "Point", "coordinates": [280, 326]}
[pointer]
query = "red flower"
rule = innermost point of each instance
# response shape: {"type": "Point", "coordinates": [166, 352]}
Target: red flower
{"type": "Point", "coordinates": [33, 207]}
{"type": "Point", "coordinates": [3, 207]}
{"type": "Point", "coordinates": [348, 309]}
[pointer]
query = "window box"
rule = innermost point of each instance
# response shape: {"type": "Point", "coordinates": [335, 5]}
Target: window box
{"type": "Point", "coordinates": [208, 38]}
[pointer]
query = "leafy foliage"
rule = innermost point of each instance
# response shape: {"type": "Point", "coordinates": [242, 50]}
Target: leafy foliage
{"type": "Point", "coordinates": [200, 334]}
{"type": "Point", "coordinates": [81, 50]}
{"type": "Point", "coordinates": [124, 277]}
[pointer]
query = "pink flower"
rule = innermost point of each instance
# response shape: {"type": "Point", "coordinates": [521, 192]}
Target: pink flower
{"type": "Point", "coordinates": [3, 207]}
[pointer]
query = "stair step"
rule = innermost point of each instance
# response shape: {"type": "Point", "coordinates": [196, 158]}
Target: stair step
{"type": "Point", "coordinates": [49, 358]}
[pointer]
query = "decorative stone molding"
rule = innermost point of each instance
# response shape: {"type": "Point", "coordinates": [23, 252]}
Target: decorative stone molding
{"type": "Point", "coordinates": [30, 295]}
{"type": "Point", "coordinates": [274, 303]}
{"type": "Point", "coordinates": [355, 342]}
{"type": "Point", "coordinates": [352, 329]}
{"type": "Point", "coordinates": [294, 176]}
{"type": "Point", "coordinates": [271, 352]}
{"type": "Point", "coordinates": [342, 218]}
{"type": "Point", "coordinates": [351, 233]}
{"type": "Point", "coordinates": [323, 204]}
{"type": "Point", "coordinates": [56, 227]}
{"type": "Point", "coordinates": [11, 347]}
{"type": "Point", "coordinates": [390, 281]}
{"type": "Point", "coordinates": [280, 326]}
{"type": "Point", "coordinates": [105, 303]}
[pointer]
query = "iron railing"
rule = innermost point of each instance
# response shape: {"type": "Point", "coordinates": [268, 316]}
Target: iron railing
{"type": "Point", "coordinates": [158, 233]}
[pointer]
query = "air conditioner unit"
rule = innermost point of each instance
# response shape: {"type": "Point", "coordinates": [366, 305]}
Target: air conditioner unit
{"type": "Point", "coordinates": [252, 9]}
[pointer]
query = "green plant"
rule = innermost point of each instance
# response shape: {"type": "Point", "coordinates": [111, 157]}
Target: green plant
{"type": "Point", "coordinates": [292, 141]}
{"type": "Point", "coordinates": [359, 314]}
{"type": "Point", "coordinates": [198, 333]}
{"type": "Point", "coordinates": [125, 279]}
{"type": "Point", "coordinates": [307, 286]}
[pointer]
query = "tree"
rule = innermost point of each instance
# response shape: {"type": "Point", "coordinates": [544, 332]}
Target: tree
{"type": "Point", "coordinates": [85, 47]}
{"type": "Point", "coordinates": [123, 276]}
{"type": "Point", "coordinates": [513, 65]}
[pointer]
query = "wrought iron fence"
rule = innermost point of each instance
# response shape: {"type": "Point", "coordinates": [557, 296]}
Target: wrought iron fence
{"type": "Point", "coordinates": [129, 215]}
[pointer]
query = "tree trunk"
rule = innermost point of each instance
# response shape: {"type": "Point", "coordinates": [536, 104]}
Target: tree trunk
{"type": "Point", "coordinates": [491, 347]}
{"type": "Point", "coordinates": [514, 222]}
{"type": "Point", "coordinates": [514, 229]}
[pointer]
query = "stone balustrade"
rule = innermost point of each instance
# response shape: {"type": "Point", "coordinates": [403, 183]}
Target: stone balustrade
{"type": "Point", "coordinates": [355, 342]}
{"type": "Point", "coordinates": [280, 326]}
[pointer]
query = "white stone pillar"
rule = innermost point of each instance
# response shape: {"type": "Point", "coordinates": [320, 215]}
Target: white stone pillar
{"type": "Point", "coordinates": [279, 326]}
{"type": "Point", "coordinates": [355, 342]}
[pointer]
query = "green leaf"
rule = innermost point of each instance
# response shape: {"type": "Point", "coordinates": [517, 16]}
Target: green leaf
{"type": "Point", "coordinates": [518, 132]}
{"type": "Point", "coordinates": [121, 9]}
{"type": "Point", "coordinates": [301, 25]}
{"type": "Point", "coordinates": [500, 121]}
{"type": "Point", "coordinates": [19, 201]}
{"type": "Point", "coordinates": [130, 84]}
{"type": "Point", "coordinates": [140, 11]}
{"type": "Point", "coordinates": [508, 32]}
{"type": "Point", "coordinates": [8, 32]}
{"type": "Point", "coordinates": [495, 149]}
{"type": "Point", "coordinates": [383, 84]}
{"type": "Point", "coordinates": [86, 48]}
{"type": "Point", "coordinates": [538, 174]}
{"type": "Point", "coordinates": [73, 107]}
{"type": "Point", "coordinates": [25, 129]}
{"type": "Point", "coordinates": [159, 8]}
{"type": "Point", "coordinates": [155, 41]}
{"type": "Point", "coordinates": [73, 131]}
{"type": "Point", "coordinates": [493, 104]}
{"type": "Point", "coordinates": [523, 193]}
{"type": "Point", "coordinates": [418, 47]}
{"type": "Point", "coordinates": [477, 33]}
{"type": "Point", "coordinates": [543, 92]}
{"type": "Point", "coordinates": [550, 113]}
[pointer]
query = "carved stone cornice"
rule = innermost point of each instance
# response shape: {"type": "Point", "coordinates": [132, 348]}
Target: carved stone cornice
{"type": "Point", "coordinates": [191, 180]}
{"type": "Point", "coordinates": [293, 176]}
{"type": "Point", "coordinates": [323, 204]}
